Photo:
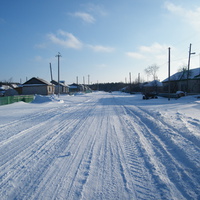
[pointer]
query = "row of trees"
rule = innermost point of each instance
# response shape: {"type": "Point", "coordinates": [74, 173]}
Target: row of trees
{"type": "Point", "coordinates": [130, 87]}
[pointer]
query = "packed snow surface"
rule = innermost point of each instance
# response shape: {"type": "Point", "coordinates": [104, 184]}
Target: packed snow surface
{"type": "Point", "coordinates": [100, 146]}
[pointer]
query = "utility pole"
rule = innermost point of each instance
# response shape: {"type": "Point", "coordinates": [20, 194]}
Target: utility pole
{"type": "Point", "coordinates": [199, 63]}
{"type": "Point", "coordinates": [88, 79]}
{"type": "Point", "coordinates": [51, 78]}
{"type": "Point", "coordinates": [189, 67]}
{"type": "Point", "coordinates": [59, 55]}
{"type": "Point", "coordinates": [169, 84]}
{"type": "Point", "coordinates": [130, 80]}
{"type": "Point", "coordinates": [77, 80]}
{"type": "Point", "coordinates": [138, 78]}
{"type": "Point", "coordinates": [97, 85]}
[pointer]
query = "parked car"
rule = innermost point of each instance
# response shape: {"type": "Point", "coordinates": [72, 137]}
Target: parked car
{"type": "Point", "coordinates": [2, 92]}
{"type": "Point", "coordinates": [150, 95]}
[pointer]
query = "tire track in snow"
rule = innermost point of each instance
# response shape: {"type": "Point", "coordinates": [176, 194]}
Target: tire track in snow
{"type": "Point", "coordinates": [109, 181]}
{"type": "Point", "coordinates": [23, 123]}
{"type": "Point", "coordinates": [66, 164]}
{"type": "Point", "coordinates": [75, 169]}
{"type": "Point", "coordinates": [179, 139]}
{"type": "Point", "coordinates": [99, 149]}
{"type": "Point", "coordinates": [17, 140]}
{"type": "Point", "coordinates": [33, 119]}
{"type": "Point", "coordinates": [141, 179]}
{"type": "Point", "coordinates": [36, 122]}
{"type": "Point", "coordinates": [188, 127]}
{"type": "Point", "coordinates": [38, 156]}
{"type": "Point", "coordinates": [79, 166]}
{"type": "Point", "coordinates": [178, 170]}
{"type": "Point", "coordinates": [104, 186]}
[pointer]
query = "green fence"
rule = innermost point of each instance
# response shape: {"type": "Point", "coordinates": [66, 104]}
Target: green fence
{"type": "Point", "coordinates": [13, 99]}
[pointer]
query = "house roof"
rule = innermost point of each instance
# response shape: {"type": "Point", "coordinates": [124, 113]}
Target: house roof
{"type": "Point", "coordinates": [36, 81]}
{"type": "Point", "coordinates": [153, 84]}
{"type": "Point", "coordinates": [74, 84]}
{"type": "Point", "coordinates": [56, 83]}
{"type": "Point", "coordinates": [193, 74]}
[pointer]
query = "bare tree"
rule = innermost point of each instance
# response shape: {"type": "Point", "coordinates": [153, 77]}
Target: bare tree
{"type": "Point", "coordinates": [10, 80]}
{"type": "Point", "coordinates": [182, 68]}
{"type": "Point", "coordinates": [152, 71]}
{"type": "Point", "coordinates": [184, 73]}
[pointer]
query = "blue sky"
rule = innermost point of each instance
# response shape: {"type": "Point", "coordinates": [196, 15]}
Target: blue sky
{"type": "Point", "coordinates": [106, 39]}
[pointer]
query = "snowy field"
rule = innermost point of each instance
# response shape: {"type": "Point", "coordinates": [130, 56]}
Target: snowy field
{"type": "Point", "coordinates": [100, 146]}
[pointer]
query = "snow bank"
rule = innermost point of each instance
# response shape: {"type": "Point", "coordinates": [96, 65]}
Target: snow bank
{"type": "Point", "coordinates": [46, 99]}
{"type": "Point", "coordinates": [78, 93]}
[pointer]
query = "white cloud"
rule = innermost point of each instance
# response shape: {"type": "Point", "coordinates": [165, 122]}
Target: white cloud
{"type": "Point", "coordinates": [99, 48]}
{"type": "Point", "coordinates": [84, 16]}
{"type": "Point", "coordinates": [154, 48]}
{"type": "Point", "coordinates": [65, 39]}
{"type": "Point", "coordinates": [156, 51]}
{"type": "Point", "coordinates": [40, 46]}
{"type": "Point", "coordinates": [190, 16]}
{"type": "Point", "coordinates": [38, 58]}
{"type": "Point", "coordinates": [173, 8]}
{"type": "Point", "coordinates": [96, 9]}
{"type": "Point", "coordinates": [135, 55]}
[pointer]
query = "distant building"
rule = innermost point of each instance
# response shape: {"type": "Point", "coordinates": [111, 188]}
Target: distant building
{"type": "Point", "coordinates": [2, 91]}
{"type": "Point", "coordinates": [78, 88]}
{"type": "Point", "coordinates": [179, 81]}
{"type": "Point", "coordinates": [37, 86]}
{"type": "Point", "coordinates": [74, 88]}
{"type": "Point", "coordinates": [9, 89]}
{"type": "Point", "coordinates": [64, 89]}
{"type": "Point", "coordinates": [153, 86]}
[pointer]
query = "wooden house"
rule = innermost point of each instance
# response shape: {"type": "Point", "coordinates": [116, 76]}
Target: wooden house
{"type": "Point", "coordinates": [64, 89]}
{"type": "Point", "coordinates": [182, 81]}
{"type": "Point", "coordinates": [152, 87]}
{"type": "Point", "coordinates": [37, 86]}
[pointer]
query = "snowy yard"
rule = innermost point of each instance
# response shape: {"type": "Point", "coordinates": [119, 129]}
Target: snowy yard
{"type": "Point", "coordinates": [100, 146]}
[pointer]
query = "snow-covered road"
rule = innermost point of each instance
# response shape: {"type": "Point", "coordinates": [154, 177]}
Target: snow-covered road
{"type": "Point", "coordinates": [100, 146]}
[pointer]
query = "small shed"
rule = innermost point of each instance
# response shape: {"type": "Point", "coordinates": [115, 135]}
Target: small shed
{"type": "Point", "coordinates": [78, 88]}
{"type": "Point", "coordinates": [37, 86]}
{"type": "Point", "coordinates": [74, 88]}
{"type": "Point", "coordinates": [153, 86]}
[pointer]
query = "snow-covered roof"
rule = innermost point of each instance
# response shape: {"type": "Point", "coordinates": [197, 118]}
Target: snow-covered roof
{"type": "Point", "coordinates": [61, 83]}
{"type": "Point", "coordinates": [31, 85]}
{"type": "Point", "coordinates": [153, 84]}
{"type": "Point", "coordinates": [193, 73]}
{"type": "Point", "coordinates": [14, 85]}
{"type": "Point", "coordinates": [35, 80]}
{"type": "Point", "coordinates": [5, 87]}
